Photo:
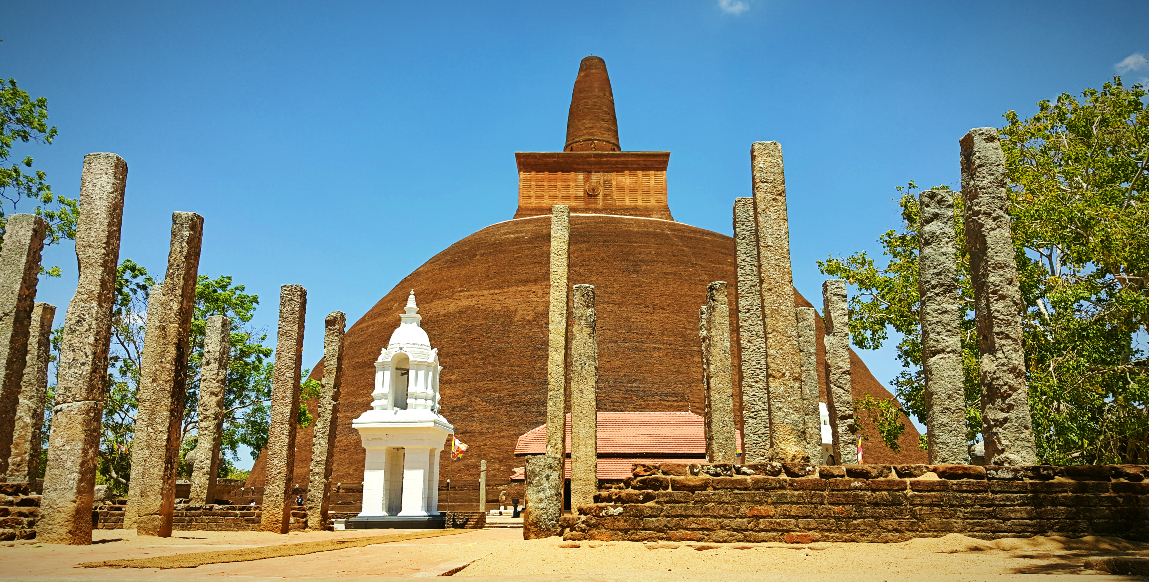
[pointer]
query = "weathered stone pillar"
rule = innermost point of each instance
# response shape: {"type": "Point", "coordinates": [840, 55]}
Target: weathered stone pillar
{"type": "Point", "coordinates": [755, 391]}
{"type": "Point", "coordinates": [704, 341]}
{"type": "Point", "coordinates": [483, 486]}
{"type": "Point", "coordinates": [22, 462]}
{"type": "Point", "coordinates": [544, 474]}
{"type": "Point", "coordinates": [19, 273]}
{"type": "Point", "coordinates": [722, 447]}
{"type": "Point", "coordinates": [153, 322]}
{"type": "Point", "coordinates": [940, 318]}
{"type": "Point", "coordinates": [1007, 426]}
{"type": "Point", "coordinates": [212, 389]}
{"type": "Point", "coordinates": [808, 348]}
{"type": "Point", "coordinates": [584, 399]}
{"type": "Point", "coordinates": [277, 499]}
{"type": "Point", "coordinates": [839, 389]}
{"type": "Point", "coordinates": [557, 339]}
{"type": "Point", "coordinates": [163, 385]}
{"type": "Point", "coordinates": [776, 283]}
{"type": "Point", "coordinates": [323, 444]}
{"type": "Point", "coordinates": [82, 372]}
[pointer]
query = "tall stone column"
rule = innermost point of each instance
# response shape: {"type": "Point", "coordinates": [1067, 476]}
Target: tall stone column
{"type": "Point", "coordinates": [1007, 426]}
{"type": "Point", "coordinates": [776, 283]}
{"type": "Point", "coordinates": [277, 499]}
{"type": "Point", "coordinates": [752, 339]}
{"type": "Point", "coordinates": [584, 399]}
{"type": "Point", "coordinates": [544, 474]}
{"type": "Point", "coordinates": [82, 372]}
{"type": "Point", "coordinates": [704, 340]}
{"type": "Point", "coordinates": [323, 444]}
{"type": "Point", "coordinates": [163, 385]}
{"type": "Point", "coordinates": [212, 389]}
{"type": "Point", "coordinates": [482, 486]}
{"type": "Point", "coordinates": [808, 348]}
{"type": "Point", "coordinates": [557, 338]}
{"type": "Point", "coordinates": [153, 322]}
{"type": "Point", "coordinates": [22, 463]}
{"type": "Point", "coordinates": [19, 273]}
{"type": "Point", "coordinates": [940, 318]}
{"type": "Point", "coordinates": [722, 447]}
{"type": "Point", "coordinates": [839, 388]}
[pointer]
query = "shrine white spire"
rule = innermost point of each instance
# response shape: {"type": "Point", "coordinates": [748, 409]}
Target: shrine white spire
{"type": "Point", "coordinates": [403, 431]}
{"type": "Point", "coordinates": [409, 337]}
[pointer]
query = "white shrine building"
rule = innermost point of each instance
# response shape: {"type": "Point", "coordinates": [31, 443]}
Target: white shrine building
{"type": "Point", "coordinates": [403, 432]}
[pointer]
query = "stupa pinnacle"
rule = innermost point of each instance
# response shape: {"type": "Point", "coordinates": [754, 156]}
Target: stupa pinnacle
{"type": "Point", "coordinates": [591, 124]}
{"type": "Point", "coordinates": [592, 174]}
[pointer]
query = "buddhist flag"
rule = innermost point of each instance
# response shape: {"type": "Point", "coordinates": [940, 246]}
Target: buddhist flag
{"type": "Point", "coordinates": [458, 447]}
{"type": "Point", "coordinates": [859, 451]}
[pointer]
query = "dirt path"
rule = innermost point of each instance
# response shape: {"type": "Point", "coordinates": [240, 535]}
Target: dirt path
{"type": "Point", "coordinates": [503, 555]}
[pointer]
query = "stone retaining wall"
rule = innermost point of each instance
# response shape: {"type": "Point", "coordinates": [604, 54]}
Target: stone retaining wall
{"type": "Point", "coordinates": [199, 518]}
{"type": "Point", "coordinates": [465, 519]}
{"type": "Point", "coordinates": [19, 511]}
{"type": "Point", "coordinates": [865, 503]}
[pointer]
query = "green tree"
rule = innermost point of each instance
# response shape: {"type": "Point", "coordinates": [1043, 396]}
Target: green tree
{"type": "Point", "coordinates": [1078, 192]}
{"type": "Point", "coordinates": [25, 119]}
{"type": "Point", "coordinates": [249, 376]}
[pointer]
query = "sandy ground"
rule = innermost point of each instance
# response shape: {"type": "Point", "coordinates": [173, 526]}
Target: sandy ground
{"type": "Point", "coordinates": [502, 554]}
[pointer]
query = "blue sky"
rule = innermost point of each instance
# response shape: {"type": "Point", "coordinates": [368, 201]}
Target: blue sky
{"type": "Point", "coordinates": [340, 145]}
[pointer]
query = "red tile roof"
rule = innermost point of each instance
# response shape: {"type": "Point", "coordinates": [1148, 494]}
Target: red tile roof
{"type": "Point", "coordinates": [632, 437]}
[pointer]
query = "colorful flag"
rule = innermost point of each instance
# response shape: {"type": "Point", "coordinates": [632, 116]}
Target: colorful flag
{"type": "Point", "coordinates": [860, 451]}
{"type": "Point", "coordinates": [458, 447]}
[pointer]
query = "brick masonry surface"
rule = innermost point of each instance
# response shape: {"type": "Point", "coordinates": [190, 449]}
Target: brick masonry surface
{"type": "Point", "coordinates": [799, 503]}
{"type": "Point", "coordinates": [199, 517]}
{"type": "Point", "coordinates": [19, 511]}
{"type": "Point", "coordinates": [465, 519]}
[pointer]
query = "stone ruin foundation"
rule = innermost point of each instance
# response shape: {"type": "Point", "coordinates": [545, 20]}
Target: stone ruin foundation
{"type": "Point", "coordinates": [800, 503]}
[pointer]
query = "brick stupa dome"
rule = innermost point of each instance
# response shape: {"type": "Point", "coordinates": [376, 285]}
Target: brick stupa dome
{"type": "Point", "coordinates": [484, 302]}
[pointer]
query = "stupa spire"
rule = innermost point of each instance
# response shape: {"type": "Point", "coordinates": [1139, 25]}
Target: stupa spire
{"type": "Point", "coordinates": [591, 124]}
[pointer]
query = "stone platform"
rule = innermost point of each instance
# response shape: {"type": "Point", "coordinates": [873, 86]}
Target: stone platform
{"type": "Point", "coordinates": [796, 503]}
{"type": "Point", "coordinates": [19, 511]}
{"type": "Point", "coordinates": [397, 522]}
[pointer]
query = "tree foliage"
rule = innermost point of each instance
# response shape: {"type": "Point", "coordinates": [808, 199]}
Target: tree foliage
{"type": "Point", "coordinates": [1078, 198]}
{"type": "Point", "coordinates": [25, 119]}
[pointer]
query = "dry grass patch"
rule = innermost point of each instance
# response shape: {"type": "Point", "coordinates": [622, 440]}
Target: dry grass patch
{"type": "Point", "coordinates": [194, 559]}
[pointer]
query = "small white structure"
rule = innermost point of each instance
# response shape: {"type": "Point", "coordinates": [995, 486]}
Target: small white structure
{"type": "Point", "coordinates": [403, 432]}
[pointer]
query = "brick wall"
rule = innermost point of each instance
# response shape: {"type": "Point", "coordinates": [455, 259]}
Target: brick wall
{"type": "Point", "coordinates": [19, 510]}
{"type": "Point", "coordinates": [866, 503]}
{"type": "Point", "coordinates": [465, 520]}
{"type": "Point", "coordinates": [199, 518]}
